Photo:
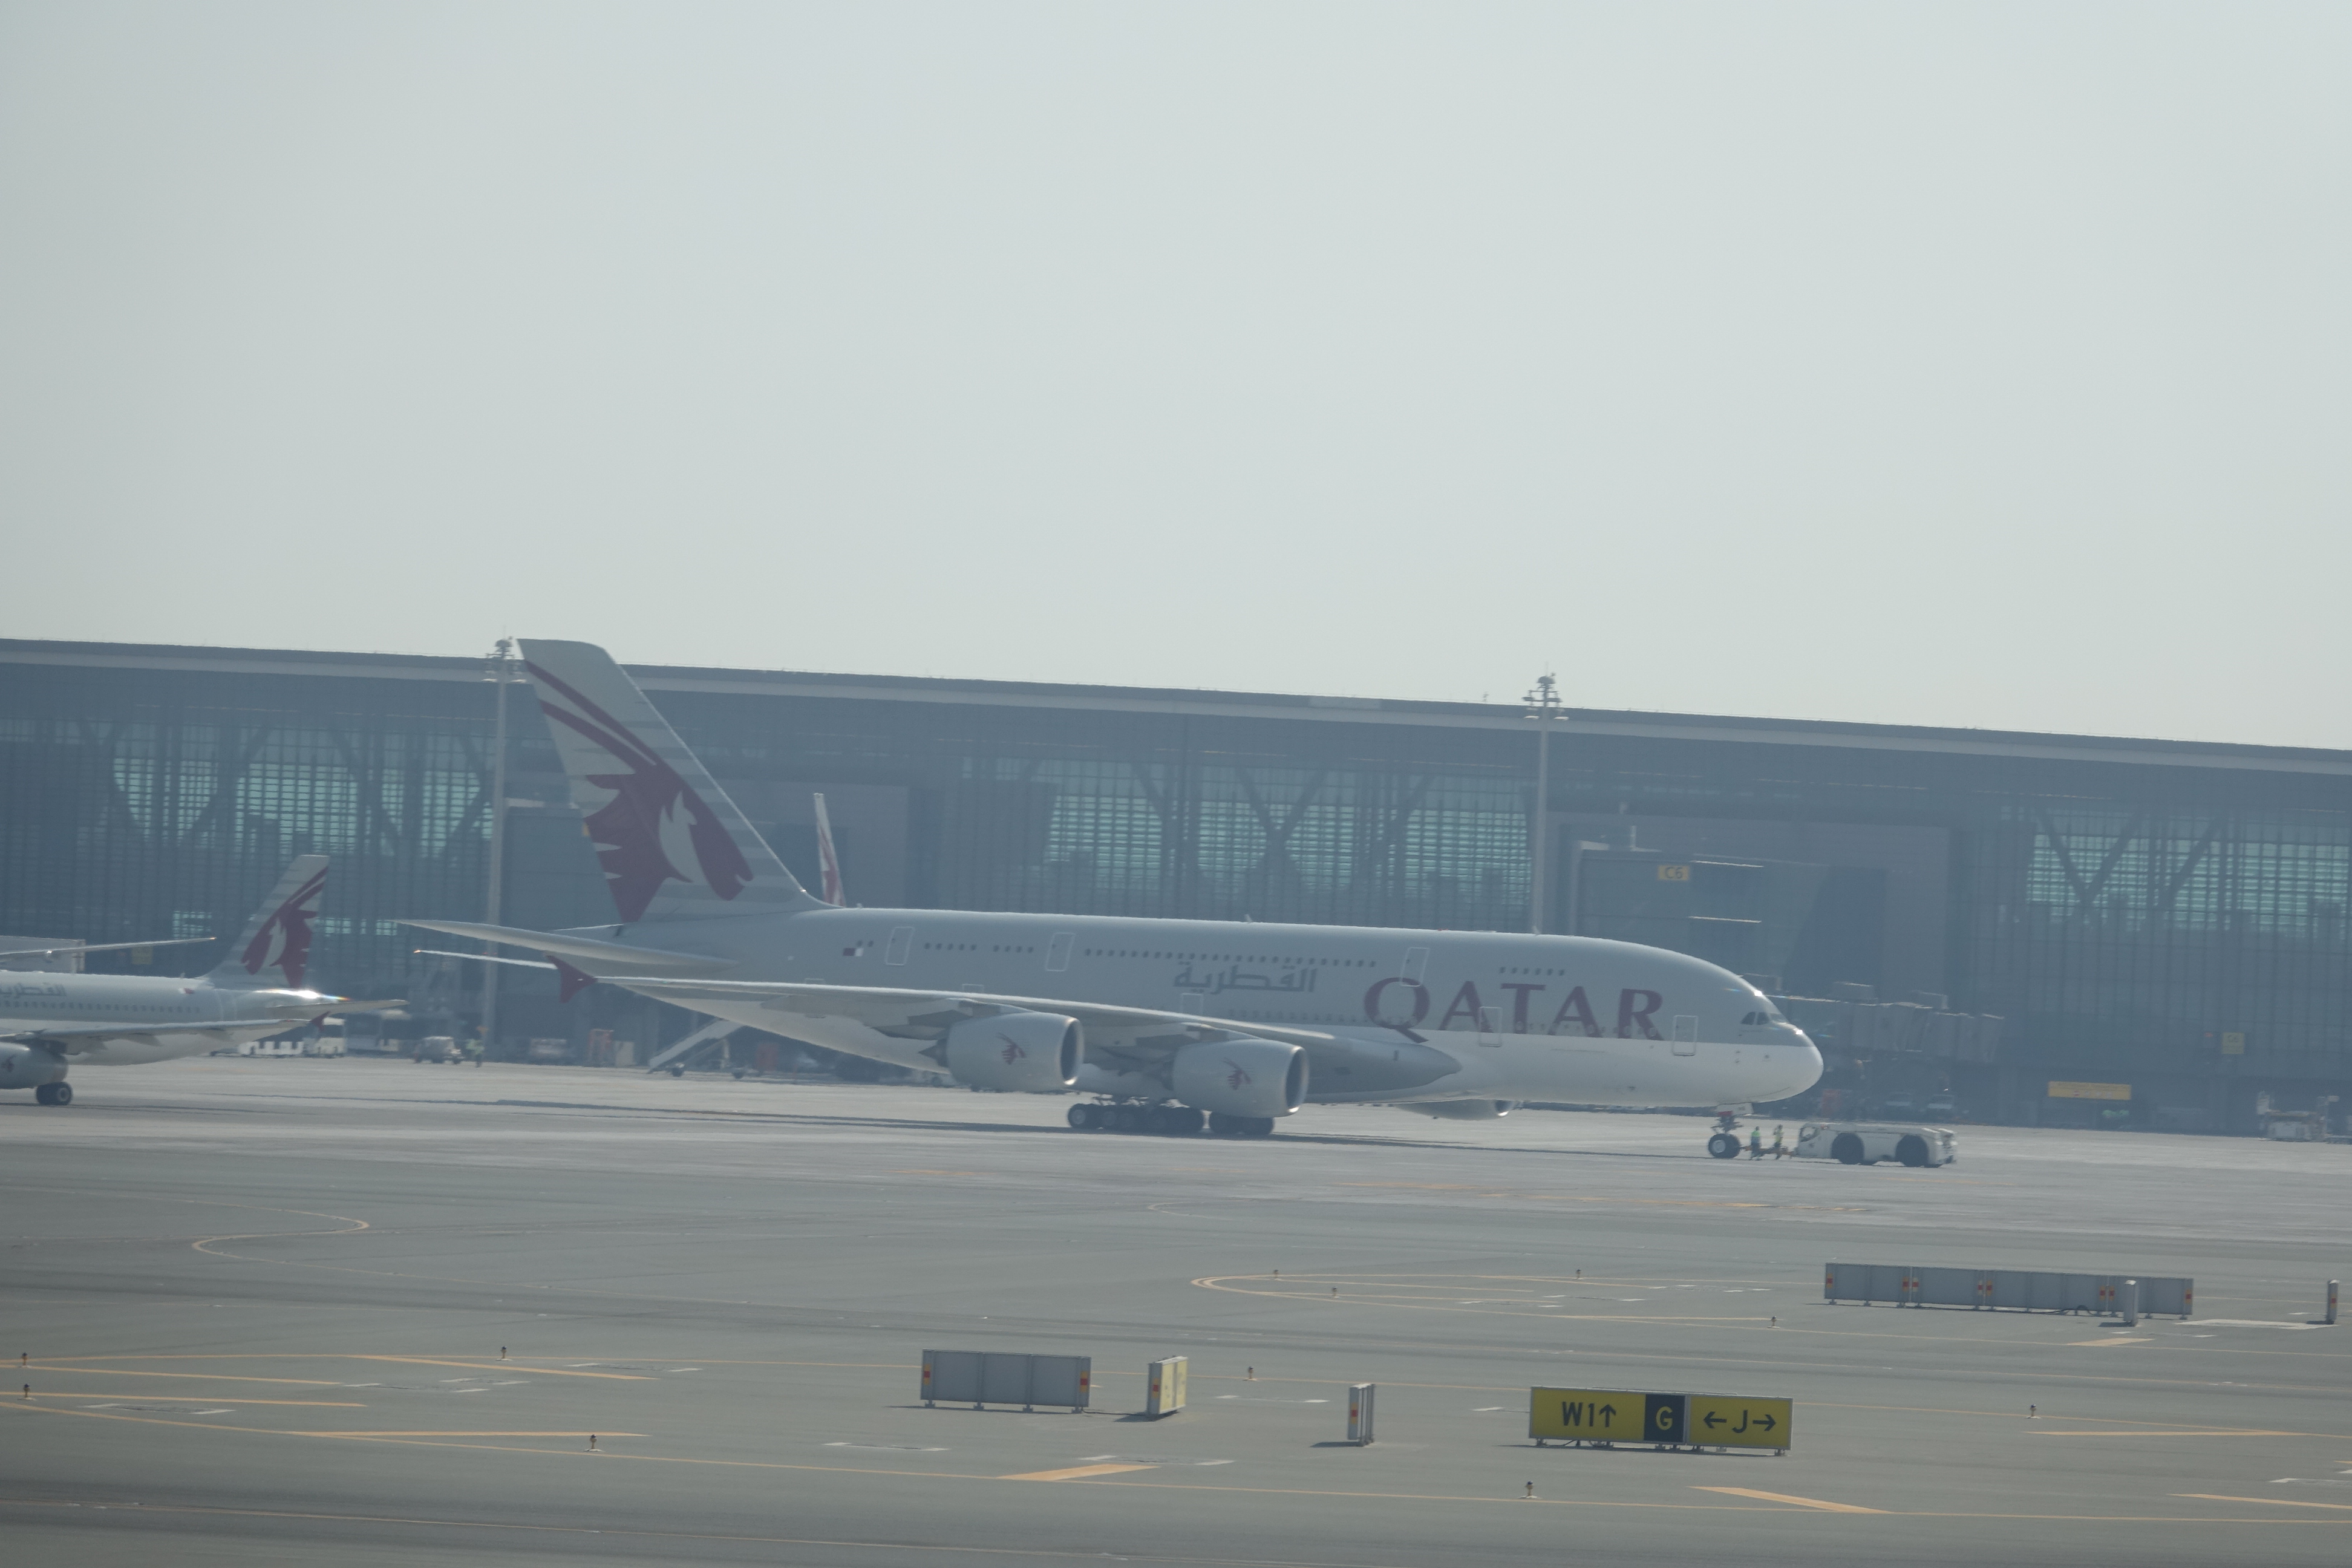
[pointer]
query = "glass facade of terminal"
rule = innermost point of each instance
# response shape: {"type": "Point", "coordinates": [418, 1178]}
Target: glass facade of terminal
{"type": "Point", "coordinates": [2176, 920]}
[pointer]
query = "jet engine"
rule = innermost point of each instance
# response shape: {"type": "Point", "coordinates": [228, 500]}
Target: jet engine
{"type": "Point", "coordinates": [1028, 1053]}
{"type": "Point", "coordinates": [1461, 1110]}
{"type": "Point", "coordinates": [22, 1066]}
{"type": "Point", "coordinates": [1240, 1078]}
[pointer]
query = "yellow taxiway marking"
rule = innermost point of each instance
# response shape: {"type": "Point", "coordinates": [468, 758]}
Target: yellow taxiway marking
{"type": "Point", "coordinates": [507, 1366]}
{"type": "Point", "coordinates": [1075, 1473]}
{"type": "Point", "coordinates": [78, 1371]}
{"type": "Point", "coordinates": [939, 1173]}
{"type": "Point", "coordinates": [599, 1434]}
{"type": "Point", "coordinates": [235, 1399]}
{"type": "Point", "coordinates": [1511, 1499]}
{"type": "Point", "coordinates": [2273, 1501]}
{"type": "Point", "coordinates": [2199, 1432]}
{"type": "Point", "coordinates": [2099, 1344]}
{"type": "Point", "coordinates": [1795, 1501]}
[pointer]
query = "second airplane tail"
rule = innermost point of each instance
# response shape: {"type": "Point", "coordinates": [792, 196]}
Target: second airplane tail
{"type": "Point", "coordinates": [275, 947]}
{"type": "Point", "coordinates": [672, 845]}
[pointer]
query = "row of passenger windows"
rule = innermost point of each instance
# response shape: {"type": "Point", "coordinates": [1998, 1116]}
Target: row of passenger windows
{"type": "Point", "coordinates": [1227, 958]}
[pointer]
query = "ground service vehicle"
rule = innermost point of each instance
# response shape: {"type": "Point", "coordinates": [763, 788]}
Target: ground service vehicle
{"type": "Point", "coordinates": [1868, 1142]}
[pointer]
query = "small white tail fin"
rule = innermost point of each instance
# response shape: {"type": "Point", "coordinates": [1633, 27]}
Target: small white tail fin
{"type": "Point", "coordinates": [672, 845]}
{"type": "Point", "coordinates": [275, 948]}
{"type": "Point", "coordinates": [827, 861]}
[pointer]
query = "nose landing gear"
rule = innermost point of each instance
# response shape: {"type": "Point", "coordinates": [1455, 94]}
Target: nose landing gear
{"type": "Point", "coordinates": [54, 1094]}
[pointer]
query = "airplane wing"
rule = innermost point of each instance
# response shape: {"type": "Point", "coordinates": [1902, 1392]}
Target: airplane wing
{"type": "Point", "coordinates": [74, 947]}
{"type": "Point", "coordinates": [1119, 1037]}
{"type": "Point", "coordinates": [89, 1037]}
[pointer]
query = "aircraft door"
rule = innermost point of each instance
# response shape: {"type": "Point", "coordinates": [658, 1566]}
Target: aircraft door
{"type": "Point", "coordinates": [1058, 952]}
{"type": "Point", "coordinates": [1685, 1035]}
{"type": "Point", "coordinates": [902, 943]}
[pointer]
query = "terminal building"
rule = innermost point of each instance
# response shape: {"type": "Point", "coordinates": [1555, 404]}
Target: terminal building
{"type": "Point", "coordinates": [2049, 927]}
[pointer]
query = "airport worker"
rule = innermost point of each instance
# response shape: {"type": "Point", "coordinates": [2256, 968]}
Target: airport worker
{"type": "Point", "coordinates": [1780, 1140]}
{"type": "Point", "coordinates": [1756, 1142]}
{"type": "Point", "coordinates": [474, 1050]}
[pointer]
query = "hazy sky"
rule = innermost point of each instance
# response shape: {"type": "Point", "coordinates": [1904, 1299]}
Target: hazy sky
{"type": "Point", "coordinates": [1955, 364]}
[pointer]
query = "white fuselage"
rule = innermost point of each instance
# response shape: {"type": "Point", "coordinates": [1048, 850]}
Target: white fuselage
{"type": "Point", "coordinates": [1514, 1016]}
{"type": "Point", "coordinates": [161, 1018]}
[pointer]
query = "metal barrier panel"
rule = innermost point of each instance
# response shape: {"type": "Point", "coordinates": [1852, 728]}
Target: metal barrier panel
{"type": "Point", "coordinates": [2014, 1290]}
{"type": "Point", "coordinates": [1359, 1414]}
{"type": "Point", "coordinates": [1947, 1286]}
{"type": "Point", "coordinates": [1003, 1379]}
{"type": "Point", "coordinates": [1060, 1380]}
{"type": "Point", "coordinates": [1163, 1391]}
{"type": "Point", "coordinates": [991, 1377]}
{"type": "Point", "coordinates": [952, 1375]}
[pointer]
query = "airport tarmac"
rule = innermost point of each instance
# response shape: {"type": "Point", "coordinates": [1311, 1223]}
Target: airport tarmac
{"type": "Point", "coordinates": [247, 1295]}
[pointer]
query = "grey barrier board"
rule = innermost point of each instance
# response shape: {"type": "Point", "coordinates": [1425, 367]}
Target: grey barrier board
{"type": "Point", "coordinates": [2016, 1289]}
{"type": "Point", "coordinates": [1059, 1380]}
{"type": "Point", "coordinates": [996, 1377]}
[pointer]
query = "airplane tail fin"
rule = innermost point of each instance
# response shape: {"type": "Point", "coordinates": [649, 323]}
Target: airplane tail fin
{"type": "Point", "coordinates": [273, 950]}
{"type": "Point", "coordinates": [672, 845]}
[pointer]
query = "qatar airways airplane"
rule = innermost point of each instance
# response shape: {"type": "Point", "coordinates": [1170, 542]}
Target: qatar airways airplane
{"type": "Point", "coordinates": [50, 1021]}
{"type": "Point", "coordinates": [1159, 1020]}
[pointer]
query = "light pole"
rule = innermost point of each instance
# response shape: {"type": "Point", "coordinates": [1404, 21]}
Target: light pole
{"type": "Point", "coordinates": [499, 668]}
{"type": "Point", "coordinates": [1543, 706]}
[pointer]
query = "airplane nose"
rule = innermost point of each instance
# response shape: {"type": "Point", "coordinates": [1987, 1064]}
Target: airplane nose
{"type": "Point", "coordinates": [1810, 1063]}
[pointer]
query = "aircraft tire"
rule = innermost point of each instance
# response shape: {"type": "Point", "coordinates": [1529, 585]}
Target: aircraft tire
{"type": "Point", "coordinates": [1126, 1119]}
{"type": "Point", "coordinates": [1082, 1118]}
{"type": "Point", "coordinates": [677, 1072]}
{"type": "Point", "coordinates": [54, 1094]}
{"type": "Point", "coordinates": [1221, 1125]}
{"type": "Point", "coordinates": [1723, 1146]}
{"type": "Point", "coordinates": [1257, 1126]}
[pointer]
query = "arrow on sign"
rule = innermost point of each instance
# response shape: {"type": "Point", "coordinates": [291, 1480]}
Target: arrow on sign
{"type": "Point", "coordinates": [1713, 1420]}
{"type": "Point", "coordinates": [1607, 1413]}
{"type": "Point", "coordinates": [1768, 1422]}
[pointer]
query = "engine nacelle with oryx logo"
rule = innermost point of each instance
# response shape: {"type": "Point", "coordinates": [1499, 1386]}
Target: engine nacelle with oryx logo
{"type": "Point", "coordinates": [1026, 1053]}
{"type": "Point", "coordinates": [22, 1066]}
{"type": "Point", "coordinates": [1240, 1078]}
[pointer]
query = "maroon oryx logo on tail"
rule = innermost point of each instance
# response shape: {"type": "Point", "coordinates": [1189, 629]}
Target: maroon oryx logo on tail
{"type": "Point", "coordinates": [654, 817]}
{"type": "Point", "coordinates": [283, 943]}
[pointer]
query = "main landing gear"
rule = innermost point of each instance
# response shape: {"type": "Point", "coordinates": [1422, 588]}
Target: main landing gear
{"type": "Point", "coordinates": [1168, 1121]}
{"type": "Point", "coordinates": [54, 1094]}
